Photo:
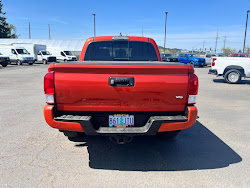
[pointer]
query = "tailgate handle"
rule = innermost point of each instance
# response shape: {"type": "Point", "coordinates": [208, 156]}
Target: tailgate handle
{"type": "Point", "coordinates": [122, 81]}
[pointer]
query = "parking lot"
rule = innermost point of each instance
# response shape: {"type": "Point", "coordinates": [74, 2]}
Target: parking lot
{"type": "Point", "coordinates": [214, 152]}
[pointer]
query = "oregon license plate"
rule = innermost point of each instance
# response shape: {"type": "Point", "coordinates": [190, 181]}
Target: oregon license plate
{"type": "Point", "coordinates": [121, 120]}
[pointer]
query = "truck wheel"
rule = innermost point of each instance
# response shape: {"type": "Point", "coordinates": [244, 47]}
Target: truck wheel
{"type": "Point", "coordinates": [191, 63]}
{"type": "Point", "coordinates": [4, 64]}
{"type": "Point", "coordinates": [65, 60]}
{"type": "Point", "coordinates": [44, 61]}
{"type": "Point", "coordinates": [168, 135]}
{"type": "Point", "coordinates": [18, 62]}
{"type": "Point", "coordinates": [30, 63]}
{"type": "Point", "coordinates": [233, 76]}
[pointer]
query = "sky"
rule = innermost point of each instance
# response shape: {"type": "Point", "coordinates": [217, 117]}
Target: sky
{"type": "Point", "coordinates": [190, 24]}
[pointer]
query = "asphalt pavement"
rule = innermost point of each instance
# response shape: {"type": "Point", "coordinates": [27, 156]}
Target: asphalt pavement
{"type": "Point", "coordinates": [215, 152]}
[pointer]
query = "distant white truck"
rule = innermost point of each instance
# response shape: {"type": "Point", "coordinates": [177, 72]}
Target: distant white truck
{"type": "Point", "coordinates": [209, 57]}
{"type": "Point", "coordinates": [38, 51]}
{"type": "Point", "coordinates": [62, 54]}
{"type": "Point", "coordinates": [17, 54]}
{"type": "Point", "coordinates": [231, 68]}
{"type": "Point", "coordinates": [45, 57]}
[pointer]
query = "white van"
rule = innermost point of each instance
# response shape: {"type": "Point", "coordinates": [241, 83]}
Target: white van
{"type": "Point", "coordinates": [17, 54]}
{"type": "Point", "coordinates": [61, 54]}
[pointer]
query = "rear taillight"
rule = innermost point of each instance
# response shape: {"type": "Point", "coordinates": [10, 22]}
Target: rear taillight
{"type": "Point", "coordinates": [213, 63]}
{"type": "Point", "coordinates": [192, 88]}
{"type": "Point", "coordinates": [49, 87]}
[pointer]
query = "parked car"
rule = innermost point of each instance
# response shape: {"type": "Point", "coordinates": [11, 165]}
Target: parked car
{"type": "Point", "coordinates": [220, 55]}
{"type": "Point", "coordinates": [17, 54]}
{"type": "Point", "coordinates": [45, 57]}
{"type": "Point", "coordinates": [231, 68]}
{"type": "Point", "coordinates": [209, 58]}
{"type": "Point", "coordinates": [169, 57]}
{"type": "Point", "coordinates": [4, 60]}
{"type": "Point", "coordinates": [62, 54]}
{"type": "Point", "coordinates": [120, 88]}
{"type": "Point", "coordinates": [238, 55]}
{"type": "Point", "coordinates": [193, 59]}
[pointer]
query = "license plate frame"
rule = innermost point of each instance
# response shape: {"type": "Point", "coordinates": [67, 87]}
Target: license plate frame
{"type": "Point", "coordinates": [121, 120]}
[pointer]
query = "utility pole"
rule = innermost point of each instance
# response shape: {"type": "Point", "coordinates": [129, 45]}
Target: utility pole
{"type": "Point", "coordinates": [29, 31]}
{"type": "Point", "coordinates": [245, 32]}
{"type": "Point", "coordinates": [49, 32]}
{"type": "Point", "coordinates": [142, 32]}
{"type": "Point", "coordinates": [94, 25]}
{"type": "Point", "coordinates": [225, 38]}
{"type": "Point", "coordinates": [165, 31]}
{"type": "Point", "coordinates": [203, 46]}
{"type": "Point", "coordinates": [216, 42]}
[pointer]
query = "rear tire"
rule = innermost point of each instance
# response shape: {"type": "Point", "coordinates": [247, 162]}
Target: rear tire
{"type": "Point", "coordinates": [75, 136]}
{"type": "Point", "coordinates": [168, 135]}
{"type": "Point", "coordinates": [44, 61]}
{"type": "Point", "coordinates": [4, 64]}
{"type": "Point", "coordinates": [233, 76]}
{"type": "Point", "coordinates": [18, 62]}
{"type": "Point", "coordinates": [191, 63]}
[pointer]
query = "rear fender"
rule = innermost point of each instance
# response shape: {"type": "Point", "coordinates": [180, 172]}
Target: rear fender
{"type": "Point", "coordinates": [239, 68]}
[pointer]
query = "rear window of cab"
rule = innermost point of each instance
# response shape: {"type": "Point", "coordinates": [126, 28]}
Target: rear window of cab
{"type": "Point", "coordinates": [120, 51]}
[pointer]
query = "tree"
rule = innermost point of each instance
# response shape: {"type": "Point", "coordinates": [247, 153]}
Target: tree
{"type": "Point", "coordinates": [162, 50]}
{"type": "Point", "coordinates": [248, 49]}
{"type": "Point", "coordinates": [4, 26]}
{"type": "Point", "coordinates": [6, 30]}
{"type": "Point", "coordinates": [228, 51]}
{"type": "Point", "coordinates": [12, 32]}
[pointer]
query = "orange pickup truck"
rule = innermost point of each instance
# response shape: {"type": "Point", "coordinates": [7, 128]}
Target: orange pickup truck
{"type": "Point", "coordinates": [120, 88]}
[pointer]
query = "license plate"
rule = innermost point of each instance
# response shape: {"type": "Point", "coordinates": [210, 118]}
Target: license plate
{"type": "Point", "coordinates": [121, 120]}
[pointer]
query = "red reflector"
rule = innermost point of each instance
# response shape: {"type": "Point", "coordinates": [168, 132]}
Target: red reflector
{"type": "Point", "coordinates": [213, 63]}
{"type": "Point", "coordinates": [193, 84]}
{"type": "Point", "coordinates": [49, 83]}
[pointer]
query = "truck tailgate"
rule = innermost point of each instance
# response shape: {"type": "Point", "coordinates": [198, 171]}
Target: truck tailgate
{"type": "Point", "coordinates": [85, 86]}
